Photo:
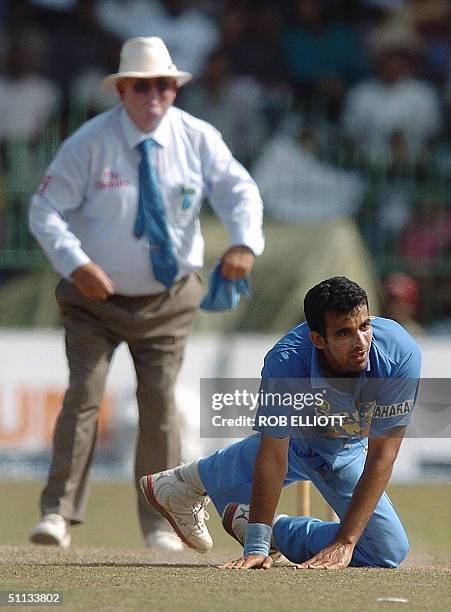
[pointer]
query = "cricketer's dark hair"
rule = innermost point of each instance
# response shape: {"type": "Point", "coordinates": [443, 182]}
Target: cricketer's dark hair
{"type": "Point", "coordinates": [338, 295]}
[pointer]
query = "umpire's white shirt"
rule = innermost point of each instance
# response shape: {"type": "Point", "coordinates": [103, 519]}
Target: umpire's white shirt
{"type": "Point", "coordinates": [86, 206]}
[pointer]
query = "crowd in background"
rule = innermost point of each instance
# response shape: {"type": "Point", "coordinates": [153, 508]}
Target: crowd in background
{"type": "Point", "coordinates": [338, 107]}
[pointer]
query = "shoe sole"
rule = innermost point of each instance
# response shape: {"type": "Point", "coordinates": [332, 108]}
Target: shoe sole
{"type": "Point", "coordinates": [46, 539]}
{"type": "Point", "coordinates": [146, 486]}
{"type": "Point", "coordinates": [172, 545]}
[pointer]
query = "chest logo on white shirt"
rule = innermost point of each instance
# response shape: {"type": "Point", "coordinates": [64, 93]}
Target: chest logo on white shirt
{"type": "Point", "coordinates": [111, 180]}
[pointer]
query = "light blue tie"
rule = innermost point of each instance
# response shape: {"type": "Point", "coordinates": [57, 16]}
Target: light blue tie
{"type": "Point", "coordinates": [151, 218]}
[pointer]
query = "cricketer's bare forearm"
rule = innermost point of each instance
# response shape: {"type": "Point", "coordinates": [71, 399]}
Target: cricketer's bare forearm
{"type": "Point", "coordinates": [271, 467]}
{"type": "Point", "coordinates": [373, 482]}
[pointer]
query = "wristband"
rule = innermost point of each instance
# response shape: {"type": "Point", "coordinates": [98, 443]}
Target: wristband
{"type": "Point", "coordinates": [258, 539]}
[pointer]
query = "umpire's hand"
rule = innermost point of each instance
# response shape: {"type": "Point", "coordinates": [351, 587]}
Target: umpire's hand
{"type": "Point", "coordinates": [92, 282]}
{"type": "Point", "coordinates": [249, 562]}
{"type": "Point", "coordinates": [237, 262]}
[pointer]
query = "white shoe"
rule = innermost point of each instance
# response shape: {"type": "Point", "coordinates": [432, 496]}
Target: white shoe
{"type": "Point", "coordinates": [183, 507]}
{"type": "Point", "coordinates": [164, 540]}
{"type": "Point", "coordinates": [235, 519]}
{"type": "Point", "coordinates": [51, 530]}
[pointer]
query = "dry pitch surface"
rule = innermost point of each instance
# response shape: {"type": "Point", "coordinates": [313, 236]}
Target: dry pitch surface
{"type": "Point", "coordinates": [106, 569]}
{"type": "Point", "coordinates": [118, 579]}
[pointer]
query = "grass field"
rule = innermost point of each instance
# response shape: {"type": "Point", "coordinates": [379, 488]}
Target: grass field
{"type": "Point", "coordinates": [107, 568]}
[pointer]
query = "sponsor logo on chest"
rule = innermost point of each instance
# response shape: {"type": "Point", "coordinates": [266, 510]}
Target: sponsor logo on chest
{"type": "Point", "coordinates": [111, 180]}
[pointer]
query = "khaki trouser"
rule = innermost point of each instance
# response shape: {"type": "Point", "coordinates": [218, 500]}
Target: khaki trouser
{"type": "Point", "coordinates": [156, 329]}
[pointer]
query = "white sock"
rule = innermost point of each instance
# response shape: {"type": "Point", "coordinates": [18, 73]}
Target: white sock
{"type": "Point", "coordinates": [189, 473]}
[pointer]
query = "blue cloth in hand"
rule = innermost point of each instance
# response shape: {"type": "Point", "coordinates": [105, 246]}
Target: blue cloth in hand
{"type": "Point", "coordinates": [224, 294]}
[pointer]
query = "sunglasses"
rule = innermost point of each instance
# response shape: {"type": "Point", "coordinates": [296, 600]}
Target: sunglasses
{"type": "Point", "coordinates": [145, 85]}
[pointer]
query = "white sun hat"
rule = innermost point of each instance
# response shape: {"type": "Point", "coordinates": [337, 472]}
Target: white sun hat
{"type": "Point", "coordinates": [146, 58]}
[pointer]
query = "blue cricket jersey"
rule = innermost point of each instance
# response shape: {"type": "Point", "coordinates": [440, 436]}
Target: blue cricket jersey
{"type": "Point", "coordinates": [371, 403]}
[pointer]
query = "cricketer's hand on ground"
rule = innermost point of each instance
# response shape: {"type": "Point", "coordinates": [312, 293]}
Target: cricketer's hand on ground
{"type": "Point", "coordinates": [92, 282]}
{"type": "Point", "coordinates": [249, 562]}
{"type": "Point", "coordinates": [335, 556]}
{"type": "Point", "coordinates": [237, 262]}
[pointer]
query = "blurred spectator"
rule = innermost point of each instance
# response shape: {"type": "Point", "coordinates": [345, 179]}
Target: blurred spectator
{"type": "Point", "coordinates": [88, 97]}
{"type": "Point", "coordinates": [323, 55]}
{"type": "Point", "coordinates": [47, 14]}
{"type": "Point", "coordinates": [382, 14]}
{"type": "Point", "coordinates": [124, 18]}
{"type": "Point", "coordinates": [82, 51]}
{"type": "Point", "coordinates": [57, 5]}
{"type": "Point", "coordinates": [233, 104]}
{"type": "Point", "coordinates": [441, 325]}
{"type": "Point", "coordinates": [190, 34]}
{"type": "Point", "coordinates": [27, 99]}
{"type": "Point", "coordinates": [297, 186]}
{"type": "Point", "coordinates": [393, 114]}
{"type": "Point", "coordinates": [384, 4]}
{"type": "Point", "coordinates": [402, 298]}
{"type": "Point", "coordinates": [428, 18]}
{"type": "Point", "coordinates": [448, 109]}
{"type": "Point", "coordinates": [427, 238]}
{"type": "Point", "coordinates": [4, 9]}
{"type": "Point", "coordinates": [251, 41]}
{"type": "Point", "coordinates": [18, 23]}
{"type": "Point", "coordinates": [432, 20]}
{"type": "Point", "coordinates": [391, 211]}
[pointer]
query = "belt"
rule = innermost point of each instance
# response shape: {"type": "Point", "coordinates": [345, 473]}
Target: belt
{"type": "Point", "coordinates": [150, 295]}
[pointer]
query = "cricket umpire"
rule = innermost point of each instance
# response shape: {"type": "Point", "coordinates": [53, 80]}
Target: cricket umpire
{"type": "Point", "coordinates": [118, 216]}
{"type": "Point", "coordinates": [362, 369]}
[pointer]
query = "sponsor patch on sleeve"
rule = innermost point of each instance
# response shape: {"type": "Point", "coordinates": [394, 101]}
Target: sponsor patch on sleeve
{"type": "Point", "coordinates": [44, 185]}
{"type": "Point", "coordinates": [393, 410]}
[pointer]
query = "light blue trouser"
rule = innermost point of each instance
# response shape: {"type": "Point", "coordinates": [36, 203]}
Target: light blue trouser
{"type": "Point", "coordinates": [334, 466]}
